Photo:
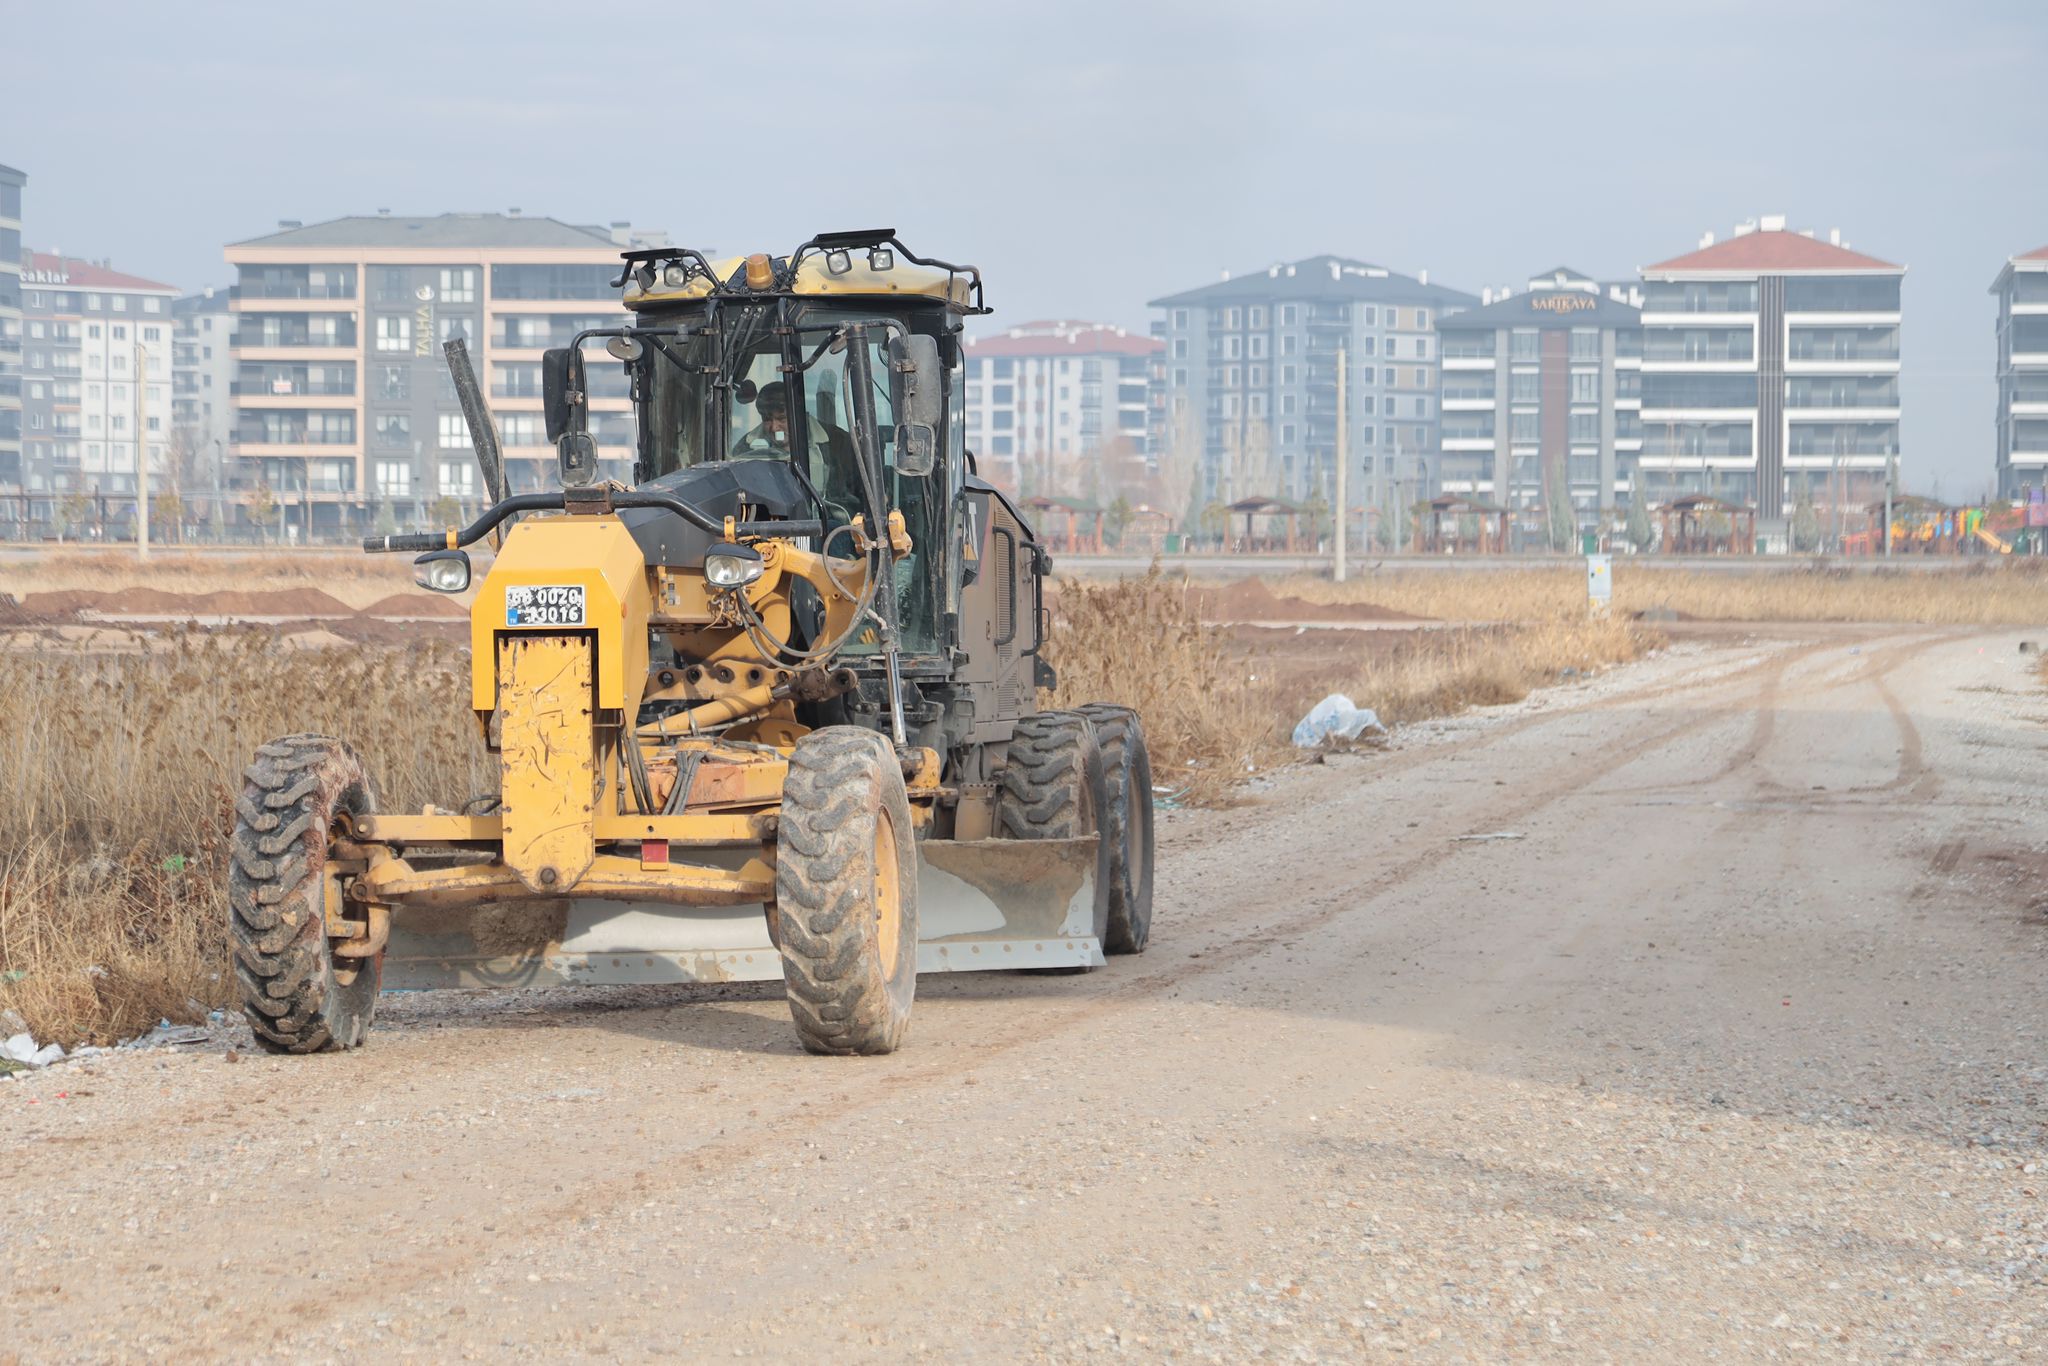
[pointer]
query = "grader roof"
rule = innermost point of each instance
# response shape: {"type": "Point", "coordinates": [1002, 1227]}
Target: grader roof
{"type": "Point", "coordinates": [869, 263]}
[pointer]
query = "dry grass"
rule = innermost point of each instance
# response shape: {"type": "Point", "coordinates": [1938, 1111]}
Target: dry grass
{"type": "Point", "coordinates": [1215, 709]}
{"type": "Point", "coordinates": [354, 578]}
{"type": "Point", "coordinates": [1989, 594]}
{"type": "Point", "coordinates": [116, 790]}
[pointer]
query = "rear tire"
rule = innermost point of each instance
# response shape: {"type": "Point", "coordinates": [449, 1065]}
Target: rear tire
{"type": "Point", "coordinates": [294, 799]}
{"type": "Point", "coordinates": [1054, 788]}
{"type": "Point", "coordinates": [1126, 825]}
{"type": "Point", "coordinates": [846, 893]}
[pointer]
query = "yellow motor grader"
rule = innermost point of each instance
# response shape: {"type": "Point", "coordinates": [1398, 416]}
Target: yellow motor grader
{"type": "Point", "coordinates": [771, 710]}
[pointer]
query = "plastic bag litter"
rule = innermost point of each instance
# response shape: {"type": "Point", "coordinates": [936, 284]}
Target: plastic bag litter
{"type": "Point", "coordinates": [22, 1048]}
{"type": "Point", "coordinates": [1336, 717]}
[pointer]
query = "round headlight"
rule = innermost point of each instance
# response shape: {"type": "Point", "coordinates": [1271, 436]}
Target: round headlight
{"type": "Point", "coordinates": [444, 571]}
{"type": "Point", "coordinates": [731, 571]}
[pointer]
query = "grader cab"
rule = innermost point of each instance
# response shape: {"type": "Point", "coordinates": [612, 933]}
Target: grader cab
{"type": "Point", "coordinates": [769, 711]}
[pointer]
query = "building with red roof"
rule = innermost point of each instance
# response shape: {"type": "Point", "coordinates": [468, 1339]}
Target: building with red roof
{"type": "Point", "coordinates": [1060, 407]}
{"type": "Point", "coordinates": [1771, 372]}
{"type": "Point", "coordinates": [2022, 416]}
{"type": "Point", "coordinates": [96, 389]}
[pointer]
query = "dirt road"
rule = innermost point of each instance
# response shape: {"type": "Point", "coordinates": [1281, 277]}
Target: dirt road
{"type": "Point", "coordinates": [1736, 1047]}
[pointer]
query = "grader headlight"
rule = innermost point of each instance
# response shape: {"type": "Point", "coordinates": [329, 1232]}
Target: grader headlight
{"type": "Point", "coordinates": [732, 566]}
{"type": "Point", "coordinates": [444, 571]}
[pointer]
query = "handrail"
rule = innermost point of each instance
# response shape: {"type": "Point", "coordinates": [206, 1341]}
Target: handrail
{"type": "Point", "coordinates": [453, 539]}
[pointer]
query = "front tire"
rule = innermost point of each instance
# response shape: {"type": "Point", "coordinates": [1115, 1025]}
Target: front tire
{"type": "Point", "coordinates": [297, 996]}
{"type": "Point", "coordinates": [846, 893]}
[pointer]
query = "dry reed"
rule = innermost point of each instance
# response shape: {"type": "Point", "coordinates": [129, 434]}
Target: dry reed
{"type": "Point", "coordinates": [116, 791]}
{"type": "Point", "coordinates": [2005, 593]}
{"type": "Point", "coordinates": [1215, 709]}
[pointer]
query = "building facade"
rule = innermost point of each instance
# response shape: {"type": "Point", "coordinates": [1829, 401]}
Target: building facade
{"type": "Point", "coordinates": [1062, 408]}
{"type": "Point", "coordinates": [12, 183]}
{"type": "Point", "coordinates": [1251, 377]}
{"type": "Point", "coordinates": [202, 406]}
{"type": "Point", "coordinates": [346, 418]}
{"type": "Point", "coordinates": [1771, 372]}
{"type": "Point", "coordinates": [2022, 418]}
{"type": "Point", "coordinates": [96, 343]}
{"type": "Point", "coordinates": [1540, 397]}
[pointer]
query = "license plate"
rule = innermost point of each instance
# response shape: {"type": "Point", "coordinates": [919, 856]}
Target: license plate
{"type": "Point", "coordinates": [544, 604]}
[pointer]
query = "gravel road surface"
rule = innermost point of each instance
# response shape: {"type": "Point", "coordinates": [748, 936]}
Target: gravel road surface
{"type": "Point", "coordinates": [1731, 1046]}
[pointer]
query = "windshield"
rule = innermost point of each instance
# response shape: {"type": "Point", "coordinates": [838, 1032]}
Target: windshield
{"type": "Point", "coordinates": [756, 388]}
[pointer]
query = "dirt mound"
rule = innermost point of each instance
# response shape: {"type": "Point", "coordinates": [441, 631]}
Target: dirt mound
{"type": "Point", "coordinates": [416, 605]}
{"type": "Point", "coordinates": [13, 613]}
{"type": "Point", "coordinates": [156, 602]}
{"type": "Point", "coordinates": [1252, 600]}
{"type": "Point", "coordinates": [277, 602]}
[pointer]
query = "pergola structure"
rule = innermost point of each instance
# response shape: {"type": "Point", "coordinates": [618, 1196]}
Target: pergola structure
{"type": "Point", "coordinates": [1438, 526]}
{"type": "Point", "coordinates": [1146, 531]}
{"type": "Point", "coordinates": [1067, 524]}
{"type": "Point", "coordinates": [1687, 526]}
{"type": "Point", "coordinates": [1270, 508]}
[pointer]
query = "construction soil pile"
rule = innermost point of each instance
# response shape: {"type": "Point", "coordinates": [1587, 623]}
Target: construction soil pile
{"type": "Point", "coordinates": [269, 604]}
{"type": "Point", "coordinates": [1252, 600]}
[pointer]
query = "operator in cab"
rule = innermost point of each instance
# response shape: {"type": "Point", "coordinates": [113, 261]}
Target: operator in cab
{"type": "Point", "coordinates": [831, 467]}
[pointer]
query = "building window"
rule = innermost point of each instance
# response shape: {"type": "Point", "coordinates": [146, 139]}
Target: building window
{"type": "Point", "coordinates": [458, 477]}
{"type": "Point", "coordinates": [152, 305]}
{"type": "Point", "coordinates": [1387, 376]}
{"type": "Point", "coordinates": [1522, 428]}
{"type": "Point", "coordinates": [1585, 386]}
{"type": "Point", "coordinates": [458, 286]}
{"type": "Point", "coordinates": [394, 333]}
{"type": "Point", "coordinates": [465, 328]}
{"type": "Point", "coordinates": [151, 334]}
{"type": "Point", "coordinates": [1366, 345]}
{"type": "Point", "coordinates": [394, 431]}
{"type": "Point", "coordinates": [1522, 344]}
{"type": "Point", "coordinates": [394, 479]}
{"type": "Point", "coordinates": [1369, 316]}
{"type": "Point", "coordinates": [454, 432]}
{"type": "Point", "coordinates": [120, 303]}
{"type": "Point", "coordinates": [1287, 404]}
{"type": "Point", "coordinates": [520, 429]}
{"type": "Point", "coordinates": [1180, 319]}
{"type": "Point", "coordinates": [1387, 405]}
{"type": "Point", "coordinates": [1585, 428]}
{"type": "Point", "coordinates": [1585, 343]}
{"type": "Point", "coordinates": [1523, 386]}
{"type": "Point", "coordinates": [1287, 434]}
{"type": "Point", "coordinates": [1422, 407]}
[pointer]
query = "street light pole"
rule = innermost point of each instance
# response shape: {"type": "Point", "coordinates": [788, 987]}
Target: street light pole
{"type": "Point", "coordinates": [1343, 459]}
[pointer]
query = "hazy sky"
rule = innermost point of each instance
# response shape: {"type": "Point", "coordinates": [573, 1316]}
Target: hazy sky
{"type": "Point", "coordinates": [1088, 156]}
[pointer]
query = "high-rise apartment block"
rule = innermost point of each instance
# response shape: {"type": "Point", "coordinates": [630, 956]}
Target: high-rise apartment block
{"type": "Point", "coordinates": [346, 415]}
{"type": "Point", "coordinates": [2022, 418]}
{"type": "Point", "coordinates": [1251, 376]}
{"type": "Point", "coordinates": [202, 402]}
{"type": "Point", "coordinates": [96, 384]}
{"type": "Point", "coordinates": [1062, 408]}
{"type": "Point", "coordinates": [11, 185]}
{"type": "Point", "coordinates": [1770, 371]}
{"type": "Point", "coordinates": [1540, 396]}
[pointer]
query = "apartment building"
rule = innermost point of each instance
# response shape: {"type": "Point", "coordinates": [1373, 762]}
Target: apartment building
{"type": "Point", "coordinates": [96, 342]}
{"type": "Point", "coordinates": [1771, 372]}
{"type": "Point", "coordinates": [346, 417]}
{"type": "Point", "coordinates": [1541, 394]}
{"type": "Point", "coordinates": [202, 404]}
{"type": "Point", "coordinates": [1062, 408]}
{"type": "Point", "coordinates": [2022, 417]}
{"type": "Point", "coordinates": [12, 183]}
{"type": "Point", "coordinates": [1251, 376]}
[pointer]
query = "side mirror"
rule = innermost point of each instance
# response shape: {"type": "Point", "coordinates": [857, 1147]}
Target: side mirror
{"type": "Point", "coordinates": [576, 453]}
{"type": "Point", "coordinates": [917, 450]}
{"type": "Point", "coordinates": [915, 377]}
{"type": "Point", "coordinates": [561, 389]}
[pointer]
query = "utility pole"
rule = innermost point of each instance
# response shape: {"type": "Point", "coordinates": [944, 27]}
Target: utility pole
{"type": "Point", "coordinates": [1343, 456]}
{"type": "Point", "coordinates": [1891, 468]}
{"type": "Point", "coordinates": [141, 453]}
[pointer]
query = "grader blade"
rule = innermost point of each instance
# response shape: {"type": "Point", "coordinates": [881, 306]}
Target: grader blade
{"type": "Point", "coordinates": [987, 904]}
